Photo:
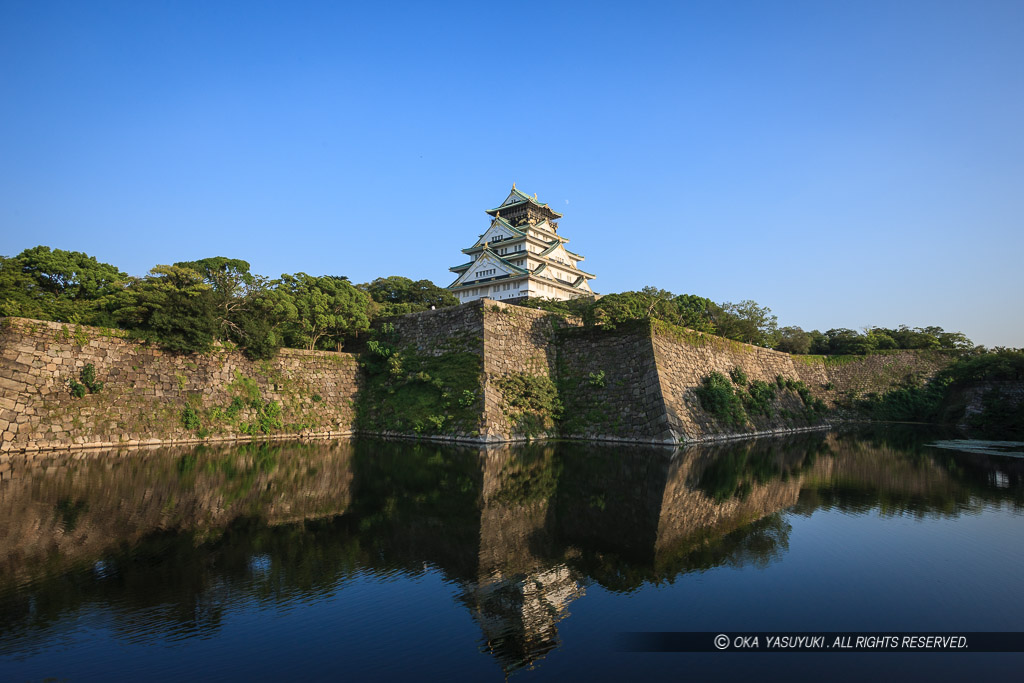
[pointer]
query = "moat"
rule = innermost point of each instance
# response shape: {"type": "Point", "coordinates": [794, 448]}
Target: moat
{"type": "Point", "coordinates": [376, 560]}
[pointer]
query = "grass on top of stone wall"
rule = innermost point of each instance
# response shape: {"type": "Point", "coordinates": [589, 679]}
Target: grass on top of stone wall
{"type": "Point", "coordinates": [697, 339]}
{"type": "Point", "coordinates": [410, 392]}
{"type": "Point", "coordinates": [832, 361]}
{"type": "Point", "coordinates": [846, 359]}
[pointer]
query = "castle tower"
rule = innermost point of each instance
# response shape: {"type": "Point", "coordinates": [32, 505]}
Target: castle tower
{"type": "Point", "coordinates": [521, 254]}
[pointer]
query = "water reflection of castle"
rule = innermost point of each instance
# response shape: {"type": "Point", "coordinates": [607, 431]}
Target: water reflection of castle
{"type": "Point", "coordinates": [522, 531]}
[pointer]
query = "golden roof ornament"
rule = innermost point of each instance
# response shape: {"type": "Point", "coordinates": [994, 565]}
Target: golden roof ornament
{"type": "Point", "coordinates": [513, 184]}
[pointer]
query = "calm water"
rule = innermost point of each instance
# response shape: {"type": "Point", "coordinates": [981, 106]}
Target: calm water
{"type": "Point", "coordinates": [372, 560]}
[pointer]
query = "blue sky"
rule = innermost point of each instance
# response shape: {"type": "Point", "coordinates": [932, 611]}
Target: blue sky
{"type": "Point", "coordinates": [843, 163]}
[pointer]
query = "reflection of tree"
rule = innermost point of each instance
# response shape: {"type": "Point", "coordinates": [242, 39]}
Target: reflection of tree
{"type": "Point", "coordinates": [736, 470]}
{"type": "Point", "coordinates": [529, 475]}
{"type": "Point", "coordinates": [895, 472]}
{"type": "Point", "coordinates": [417, 503]}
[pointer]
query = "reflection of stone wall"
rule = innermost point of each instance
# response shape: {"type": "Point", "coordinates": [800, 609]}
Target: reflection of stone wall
{"type": "Point", "coordinates": [76, 507]}
{"type": "Point", "coordinates": [145, 389]}
{"type": "Point", "coordinates": [882, 469]}
{"type": "Point", "coordinates": [689, 514]}
{"type": "Point", "coordinates": [512, 534]}
{"type": "Point", "coordinates": [521, 531]}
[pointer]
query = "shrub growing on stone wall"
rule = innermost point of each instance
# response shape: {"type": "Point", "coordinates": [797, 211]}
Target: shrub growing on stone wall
{"type": "Point", "coordinates": [532, 402]}
{"type": "Point", "coordinates": [759, 398]}
{"type": "Point", "coordinates": [718, 398]}
{"type": "Point", "coordinates": [87, 382]}
{"type": "Point", "coordinates": [408, 391]}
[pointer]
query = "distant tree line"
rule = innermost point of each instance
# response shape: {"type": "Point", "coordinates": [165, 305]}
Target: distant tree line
{"type": "Point", "coordinates": [191, 305]}
{"type": "Point", "coordinates": [748, 322]}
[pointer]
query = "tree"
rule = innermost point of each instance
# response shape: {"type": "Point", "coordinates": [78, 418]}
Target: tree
{"type": "Point", "coordinates": [650, 303]}
{"type": "Point", "coordinates": [324, 310]}
{"type": "Point", "coordinates": [880, 339]}
{"type": "Point", "coordinates": [65, 286]}
{"type": "Point", "coordinates": [793, 340]}
{"type": "Point", "coordinates": [747, 322]}
{"type": "Point", "coordinates": [175, 307]}
{"type": "Point", "coordinates": [819, 342]}
{"type": "Point", "coordinates": [913, 338]}
{"type": "Point", "coordinates": [397, 295]}
{"type": "Point", "coordinates": [249, 311]}
{"type": "Point", "coordinates": [843, 341]}
{"type": "Point", "coordinates": [233, 289]}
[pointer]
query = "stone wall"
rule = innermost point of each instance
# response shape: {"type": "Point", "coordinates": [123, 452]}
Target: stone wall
{"type": "Point", "coordinates": [145, 391]}
{"type": "Point", "coordinates": [857, 376]}
{"type": "Point", "coordinates": [610, 386]}
{"type": "Point", "coordinates": [433, 332]}
{"type": "Point", "coordinates": [1006, 398]}
{"type": "Point", "coordinates": [517, 341]}
{"type": "Point", "coordinates": [685, 357]}
{"type": "Point", "coordinates": [636, 383]}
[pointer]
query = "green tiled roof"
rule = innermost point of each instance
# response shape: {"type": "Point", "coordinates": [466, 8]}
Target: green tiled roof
{"type": "Point", "coordinates": [507, 262]}
{"type": "Point", "coordinates": [549, 249]}
{"type": "Point", "coordinates": [517, 270]}
{"type": "Point", "coordinates": [523, 197]}
{"type": "Point", "coordinates": [509, 225]}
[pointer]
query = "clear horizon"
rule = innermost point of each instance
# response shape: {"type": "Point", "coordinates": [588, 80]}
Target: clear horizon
{"type": "Point", "coordinates": [844, 165]}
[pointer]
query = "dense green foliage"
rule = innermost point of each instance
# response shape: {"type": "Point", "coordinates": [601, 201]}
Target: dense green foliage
{"type": "Point", "coordinates": [397, 295]}
{"type": "Point", "coordinates": [86, 382]}
{"type": "Point", "coordinates": [843, 341]}
{"type": "Point", "coordinates": [717, 397]}
{"type": "Point", "coordinates": [734, 400]}
{"type": "Point", "coordinates": [685, 310]}
{"type": "Point", "coordinates": [998, 365]}
{"type": "Point", "coordinates": [321, 311]}
{"type": "Point", "coordinates": [532, 402]}
{"type": "Point", "coordinates": [941, 399]}
{"type": "Point", "coordinates": [190, 306]}
{"type": "Point", "coordinates": [65, 286]}
{"type": "Point", "coordinates": [407, 391]}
